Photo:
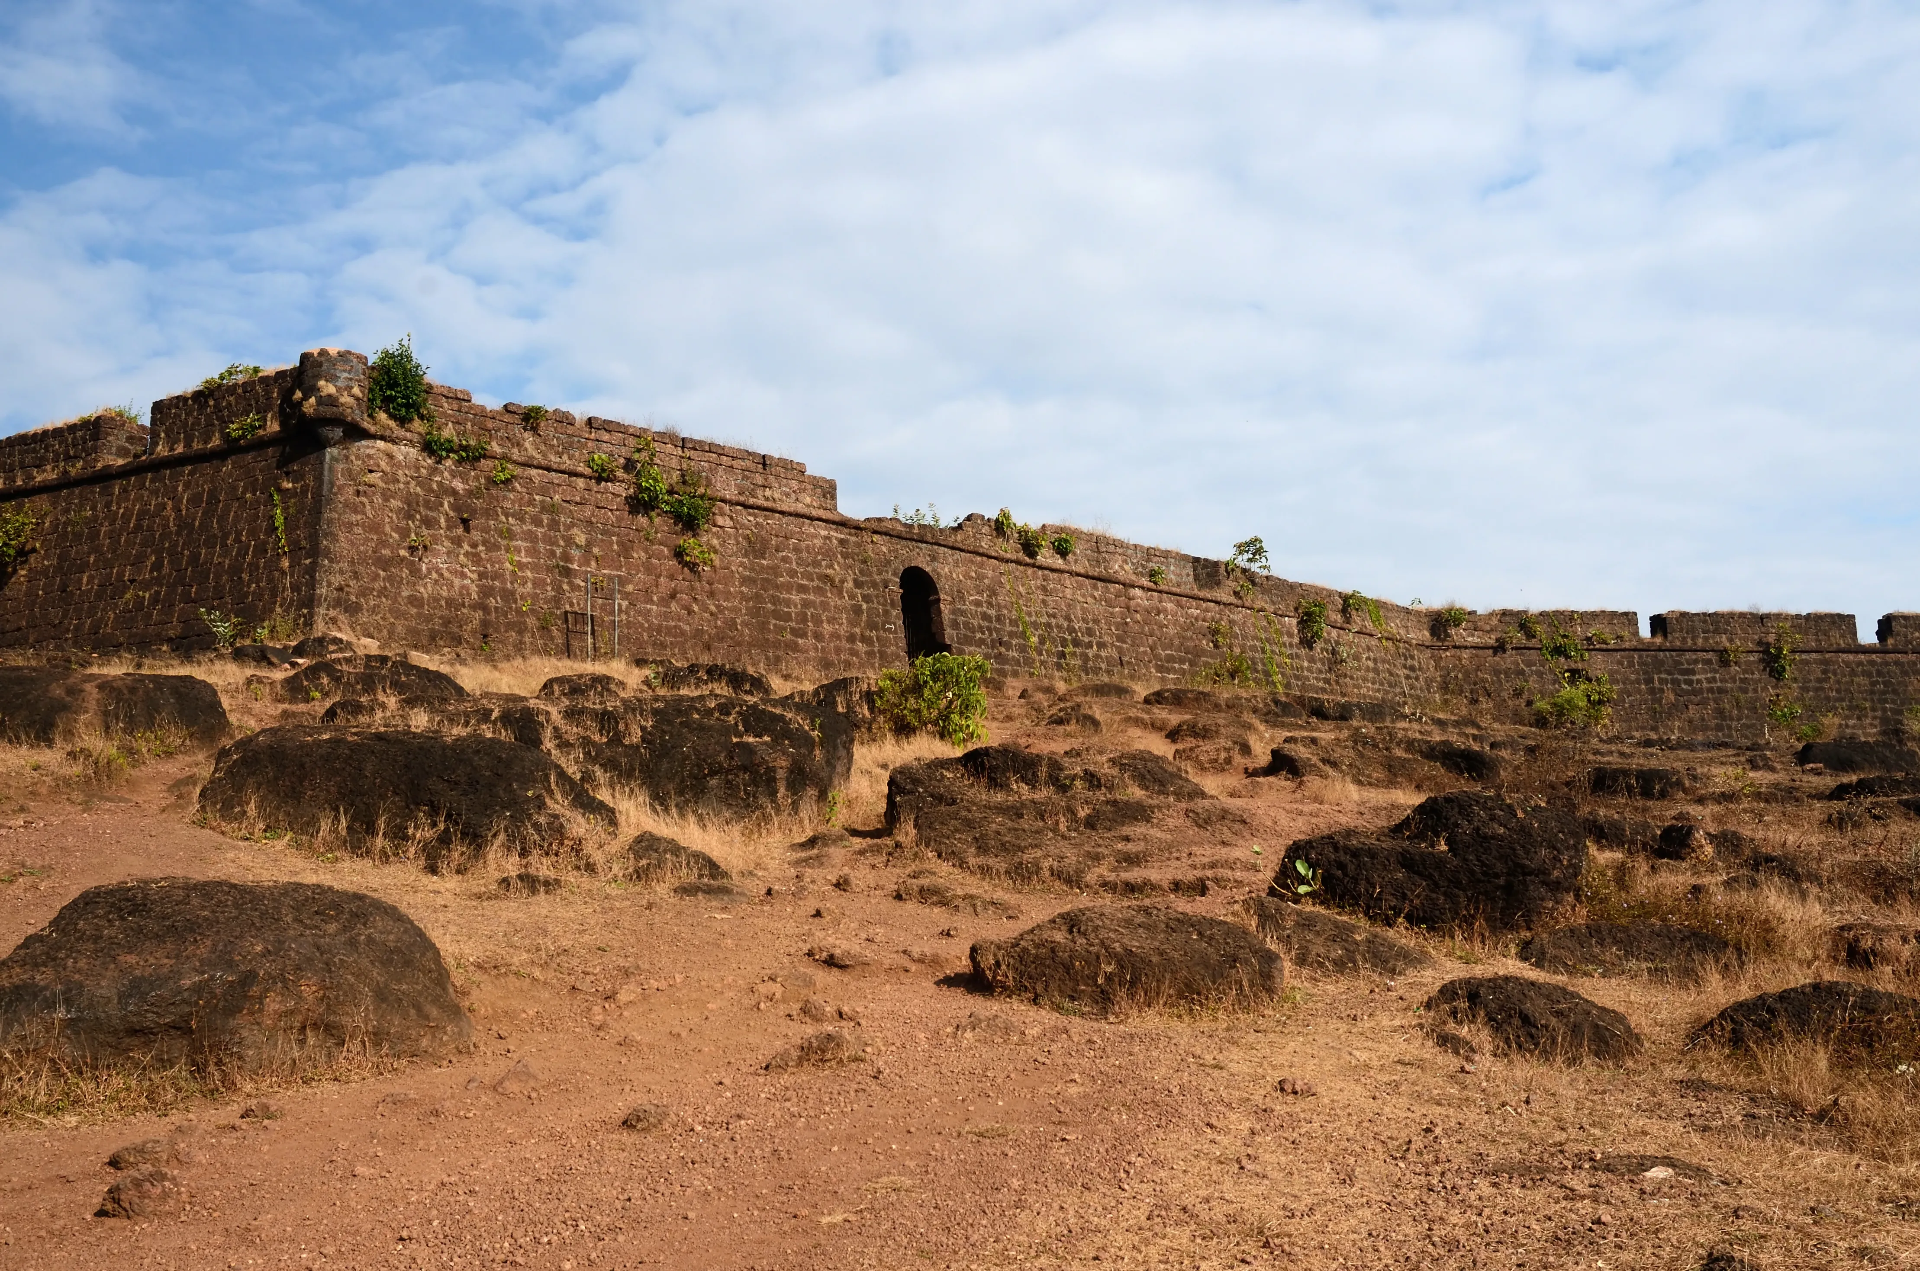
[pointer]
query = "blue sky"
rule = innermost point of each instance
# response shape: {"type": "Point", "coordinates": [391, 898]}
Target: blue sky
{"type": "Point", "coordinates": [1614, 305]}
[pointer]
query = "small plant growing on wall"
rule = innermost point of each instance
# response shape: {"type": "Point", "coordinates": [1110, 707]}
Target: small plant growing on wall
{"type": "Point", "coordinates": [1529, 625]}
{"type": "Point", "coordinates": [1778, 654]}
{"type": "Point", "coordinates": [941, 693]}
{"type": "Point", "coordinates": [1310, 621]}
{"type": "Point", "coordinates": [1004, 524]}
{"type": "Point", "coordinates": [533, 416]}
{"type": "Point", "coordinates": [1353, 602]}
{"type": "Point", "coordinates": [1031, 541]}
{"type": "Point", "coordinates": [1562, 646]}
{"type": "Point", "coordinates": [502, 472]}
{"type": "Point", "coordinates": [1157, 575]}
{"type": "Point", "coordinates": [397, 383]}
{"type": "Point", "coordinates": [129, 412]}
{"type": "Point", "coordinates": [1732, 655]}
{"type": "Point", "coordinates": [649, 492]}
{"type": "Point", "coordinates": [279, 524]}
{"type": "Point", "coordinates": [602, 467]}
{"type": "Point", "coordinates": [247, 427]}
{"type": "Point", "coordinates": [235, 372]}
{"type": "Point", "coordinates": [226, 630]}
{"type": "Point", "coordinates": [452, 446]}
{"type": "Point", "coordinates": [18, 525]}
{"type": "Point", "coordinates": [1062, 545]}
{"type": "Point", "coordinates": [693, 554]}
{"type": "Point", "coordinates": [1448, 621]}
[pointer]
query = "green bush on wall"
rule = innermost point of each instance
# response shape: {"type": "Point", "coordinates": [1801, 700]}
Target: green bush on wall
{"type": "Point", "coordinates": [941, 693]}
{"type": "Point", "coordinates": [1311, 622]}
{"type": "Point", "coordinates": [17, 526]}
{"type": "Point", "coordinates": [397, 383]}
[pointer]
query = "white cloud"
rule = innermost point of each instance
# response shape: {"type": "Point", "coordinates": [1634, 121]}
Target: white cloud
{"type": "Point", "coordinates": [1536, 303]}
{"type": "Point", "coordinates": [56, 68]}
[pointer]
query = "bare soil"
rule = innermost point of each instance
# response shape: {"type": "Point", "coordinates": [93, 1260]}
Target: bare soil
{"type": "Point", "coordinates": [1326, 1131]}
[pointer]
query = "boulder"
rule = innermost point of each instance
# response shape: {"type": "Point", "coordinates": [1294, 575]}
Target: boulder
{"type": "Point", "coordinates": [656, 857]}
{"type": "Point", "coordinates": [1457, 860]}
{"type": "Point", "coordinates": [1683, 841]}
{"type": "Point", "coordinates": [703, 677]}
{"type": "Point", "coordinates": [1155, 775]}
{"type": "Point", "coordinates": [1638, 783]}
{"type": "Point", "coordinates": [324, 645]}
{"type": "Point", "coordinates": [1109, 957]}
{"type": "Point", "coordinates": [372, 675]}
{"type": "Point", "coordinates": [1655, 950]}
{"type": "Point", "coordinates": [589, 690]}
{"type": "Point", "coordinates": [1186, 699]}
{"type": "Point", "coordinates": [1284, 761]}
{"type": "Point", "coordinates": [1107, 690]}
{"type": "Point", "coordinates": [529, 883]}
{"type": "Point", "coordinates": [236, 978]}
{"type": "Point", "coordinates": [822, 1050]}
{"type": "Point", "coordinates": [141, 1194]}
{"type": "Point", "coordinates": [452, 796]}
{"type": "Point", "coordinates": [1858, 755]}
{"type": "Point", "coordinates": [1074, 716]}
{"type": "Point", "coordinates": [1335, 711]}
{"type": "Point", "coordinates": [49, 705]}
{"type": "Point", "coordinates": [1535, 1019]}
{"type": "Point", "coordinates": [1623, 833]}
{"type": "Point", "coordinates": [1321, 941]}
{"type": "Point", "coordinates": [1895, 786]}
{"type": "Point", "coordinates": [267, 655]}
{"type": "Point", "coordinates": [1876, 946]}
{"type": "Point", "coordinates": [1854, 1021]}
{"type": "Point", "coordinates": [1461, 760]}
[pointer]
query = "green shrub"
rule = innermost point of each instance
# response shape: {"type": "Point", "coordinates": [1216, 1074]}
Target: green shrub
{"type": "Point", "coordinates": [1156, 575]}
{"type": "Point", "coordinates": [602, 466]}
{"type": "Point", "coordinates": [1530, 626]}
{"type": "Point", "coordinates": [1249, 556]}
{"type": "Point", "coordinates": [693, 554]}
{"type": "Point", "coordinates": [1003, 523]}
{"type": "Point", "coordinates": [17, 527]}
{"type": "Point", "coordinates": [533, 415]}
{"type": "Point", "coordinates": [129, 412]}
{"type": "Point", "coordinates": [1731, 655]}
{"type": "Point", "coordinates": [1778, 653]}
{"type": "Point", "coordinates": [1031, 540]}
{"type": "Point", "coordinates": [1311, 621]}
{"type": "Point", "coordinates": [1562, 646]}
{"type": "Point", "coordinates": [279, 523]}
{"type": "Point", "coordinates": [649, 484]}
{"type": "Point", "coordinates": [247, 427]}
{"type": "Point", "coordinates": [1782, 709]}
{"type": "Point", "coordinates": [1584, 701]}
{"type": "Point", "coordinates": [442, 445]}
{"type": "Point", "coordinates": [235, 372]}
{"type": "Point", "coordinates": [689, 503]}
{"type": "Point", "coordinates": [1354, 602]}
{"type": "Point", "coordinates": [1062, 545]}
{"type": "Point", "coordinates": [397, 383]}
{"type": "Point", "coordinates": [226, 630]}
{"type": "Point", "coordinates": [1451, 619]}
{"type": "Point", "coordinates": [941, 693]}
{"type": "Point", "coordinates": [502, 472]}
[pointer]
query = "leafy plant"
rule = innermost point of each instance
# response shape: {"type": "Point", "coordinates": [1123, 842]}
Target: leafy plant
{"type": "Point", "coordinates": [929, 517]}
{"type": "Point", "coordinates": [1529, 625]}
{"type": "Point", "coordinates": [397, 383]}
{"type": "Point", "coordinates": [1305, 879]}
{"type": "Point", "coordinates": [1062, 544]}
{"type": "Point", "coordinates": [1220, 635]}
{"type": "Point", "coordinates": [279, 523]}
{"type": "Point", "coordinates": [1157, 575]}
{"type": "Point", "coordinates": [502, 472]}
{"type": "Point", "coordinates": [533, 416]}
{"type": "Point", "coordinates": [129, 412]}
{"type": "Point", "coordinates": [247, 427]}
{"type": "Point", "coordinates": [453, 446]}
{"type": "Point", "coordinates": [1562, 646]}
{"type": "Point", "coordinates": [694, 554]}
{"type": "Point", "coordinates": [941, 693]}
{"type": "Point", "coordinates": [1311, 621]}
{"type": "Point", "coordinates": [1354, 602]}
{"type": "Point", "coordinates": [1584, 701]}
{"type": "Point", "coordinates": [1032, 541]}
{"type": "Point", "coordinates": [602, 466]}
{"type": "Point", "coordinates": [1448, 621]}
{"type": "Point", "coordinates": [830, 812]}
{"type": "Point", "coordinates": [235, 372]}
{"type": "Point", "coordinates": [1598, 638]}
{"type": "Point", "coordinates": [689, 503]}
{"type": "Point", "coordinates": [1778, 654]}
{"type": "Point", "coordinates": [1003, 523]}
{"type": "Point", "coordinates": [649, 484]}
{"type": "Point", "coordinates": [1731, 655]}
{"type": "Point", "coordinates": [1782, 709]}
{"type": "Point", "coordinates": [17, 527]}
{"type": "Point", "coordinates": [1249, 556]}
{"type": "Point", "coordinates": [226, 630]}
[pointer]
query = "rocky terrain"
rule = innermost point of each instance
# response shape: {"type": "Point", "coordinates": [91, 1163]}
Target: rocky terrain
{"type": "Point", "coordinates": [326, 957]}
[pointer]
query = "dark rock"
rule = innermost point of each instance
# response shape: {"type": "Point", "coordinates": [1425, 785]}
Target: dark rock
{"type": "Point", "coordinates": [1656, 950]}
{"type": "Point", "coordinates": [450, 795]}
{"type": "Point", "coordinates": [1876, 946]}
{"type": "Point", "coordinates": [1342, 712]}
{"type": "Point", "coordinates": [1858, 755]}
{"type": "Point", "coordinates": [261, 655]}
{"type": "Point", "coordinates": [1457, 859]}
{"type": "Point", "coordinates": [1464, 761]}
{"type": "Point", "coordinates": [352, 710]}
{"type": "Point", "coordinates": [140, 1194]}
{"type": "Point", "coordinates": [372, 675]}
{"type": "Point", "coordinates": [1536, 1019]}
{"type": "Point", "coordinates": [1285, 762]}
{"type": "Point", "coordinates": [1107, 691]}
{"type": "Point", "coordinates": [1155, 775]}
{"type": "Point", "coordinates": [1884, 787]}
{"type": "Point", "coordinates": [1683, 841]}
{"type": "Point", "coordinates": [1104, 958]}
{"type": "Point", "coordinates": [838, 959]}
{"type": "Point", "coordinates": [934, 892]}
{"type": "Point", "coordinates": [528, 883]}
{"type": "Point", "coordinates": [517, 1080]}
{"type": "Point", "coordinates": [237, 977]}
{"type": "Point", "coordinates": [822, 1050]}
{"type": "Point", "coordinates": [262, 1110]}
{"type": "Point", "coordinates": [644, 1118]}
{"type": "Point", "coordinates": [324, 646]}
{"type": "Point", "coordinates": [1321, 941]}
{"type": "Point", "coordinates": [708, 889]}
{"type": "Point", "coordinates": [655, 856]}
{"type": "Point", "coordinates": [1856, 1022]}
{"type": "Point", "coordinates": [1207, 728]}
{"type": "Point", "coordinates": [1186, 699]}
{"type": "Point", "coordinates": [1625, 833]}
{"type": "Point", "coordinates": [1075, 716]}
{"type": "Point", "coordinates": [703, 677]}
{"type": "Point", "coordinates": [729, 758]}
{"type": "Point", "coordinates": [144, 1153]}
{"type": "Point", "coordinates": [589, 689]}
{"type": "Point", "coordinates": [1793, 872]}
{"type": "Point", "coordinates": [1727, 1260]}
{"type": "Point", "coordinates": [1214, 756]}
{"type": "Point", "coordinates": [45, 705]}
{"type": "Point", "coordinates": [1638, 783]}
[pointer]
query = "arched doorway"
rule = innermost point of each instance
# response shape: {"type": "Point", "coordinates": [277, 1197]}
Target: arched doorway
{"type": "Point", "coordinates": [920, 614]}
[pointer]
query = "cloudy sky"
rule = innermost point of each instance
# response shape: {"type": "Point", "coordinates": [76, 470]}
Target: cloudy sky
{"type": "Point", "coordinates": [1613, 304]}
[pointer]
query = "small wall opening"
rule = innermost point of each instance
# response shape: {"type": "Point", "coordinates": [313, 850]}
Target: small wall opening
{"type": "Point", "coordinates": [920, 614]}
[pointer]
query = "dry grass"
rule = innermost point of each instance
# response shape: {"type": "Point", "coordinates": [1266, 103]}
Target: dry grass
{"type": "Point", "coordinates": [1772, 920]}
{"type": "Point", "coordinates": [864, 803]}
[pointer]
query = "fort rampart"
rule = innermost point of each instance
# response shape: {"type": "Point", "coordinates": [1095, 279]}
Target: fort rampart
{"type": "Point", "coordinates": [282, 501]}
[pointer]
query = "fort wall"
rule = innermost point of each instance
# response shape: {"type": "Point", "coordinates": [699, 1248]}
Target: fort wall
{"type": "Point", "coordinates": [283, 501]}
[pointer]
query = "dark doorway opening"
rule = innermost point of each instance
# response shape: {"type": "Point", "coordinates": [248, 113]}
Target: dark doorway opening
{"type": "Point", "coordinates": [920, 614]}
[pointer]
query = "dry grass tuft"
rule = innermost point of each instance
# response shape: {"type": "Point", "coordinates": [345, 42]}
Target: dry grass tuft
{"type": "Point", "coordinates": [1771, 920]}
